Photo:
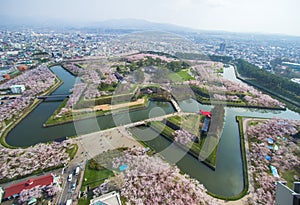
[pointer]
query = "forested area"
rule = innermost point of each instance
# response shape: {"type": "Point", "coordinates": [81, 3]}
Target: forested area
{"type": "Point", "coordinates": [199, 56]}
{"type": "Point", "coordinates": [274, 83]}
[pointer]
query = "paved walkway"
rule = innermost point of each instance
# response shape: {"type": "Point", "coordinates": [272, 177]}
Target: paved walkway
{"type": "Point", "coordinates": [98, 142]}
{"type": "Point", "coordinates": [175, 104]}
{"type": "Point", "coordinates": [95, 143]}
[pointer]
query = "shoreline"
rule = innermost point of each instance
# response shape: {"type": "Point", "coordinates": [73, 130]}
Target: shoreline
{"type": "Point", "coordinates": [105, 112]}
{"type": "Point", "coordinates": [269, 92]}
{"type": "Point", "coordinates": [25, 113]}
{"type": "Point", "coordinates": [240, 105]}
{"type": "Point", "coordinates": [95, 116]}
{"type": "Point", "coordinates": [248, 179]}
{"type": "Point", "coordinates": [187, 149]}
{"type": "Point", "coordinates": [120, 110]}
{"type": "Point", "coordinates": [244, 143]}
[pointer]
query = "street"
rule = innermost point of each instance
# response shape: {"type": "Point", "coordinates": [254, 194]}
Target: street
{"type": "Point", "coordinates": [67, 191]}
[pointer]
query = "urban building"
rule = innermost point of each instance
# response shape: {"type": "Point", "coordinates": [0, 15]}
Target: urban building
{"type": "Point", "coordinates": [1, 194]}
{"type": "Point", "coordinates": [22, 67]}
{"type": "Point", "coordinates": [287, 196]}
{"type": "Point", "coordinates": [15, 189]}
{"type": "Point", "coordinates": [6, 76]}
{"type": "Point", "coordinates": [222, 47]}
{"type": "Point", "coordinates": [17, 89]}
{"type": "Point", "coordinates": [112, 198]}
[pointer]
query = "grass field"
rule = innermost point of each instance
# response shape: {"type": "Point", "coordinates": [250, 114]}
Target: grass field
{"type": "Point", "coordinates": [94, 177]}
{"type": "Point", "coordinates": [187, 123]}
{"type": "Point", "coordinates": [289, 177]}
{"type": "Point", "coordinates": [206, 149]}
{"type": "Point", "coordinates": [72, 151]}
{"type": "Point", "coordinates": [180, 76]}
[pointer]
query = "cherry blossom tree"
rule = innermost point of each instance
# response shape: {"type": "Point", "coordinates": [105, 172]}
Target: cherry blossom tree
{"type": "Point", "coordinates": [22, 162]}
{"type": "Point", "coordinates": [183, 137]}
{"type": "Point", "coordinates": [150, 180]}
{"type": "Point", "coordinates": [284, 159]}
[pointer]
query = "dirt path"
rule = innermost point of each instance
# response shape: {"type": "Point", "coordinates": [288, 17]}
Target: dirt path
{"type": "Point", "coordinates": [106, 107]}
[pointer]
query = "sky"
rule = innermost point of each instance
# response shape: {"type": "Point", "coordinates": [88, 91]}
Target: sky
{"type": "Point", "coordinates": [262, 16]}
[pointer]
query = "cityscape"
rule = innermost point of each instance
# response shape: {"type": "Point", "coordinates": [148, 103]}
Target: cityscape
{"type": "Point", "coordinates": [142, 110]}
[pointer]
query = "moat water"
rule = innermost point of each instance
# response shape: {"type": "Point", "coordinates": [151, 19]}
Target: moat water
{"type": "Point", "coordinates": [226, 180]}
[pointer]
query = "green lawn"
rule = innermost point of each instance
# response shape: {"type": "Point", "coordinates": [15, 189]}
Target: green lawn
{"type": "Point", "coordinates": [180, 76]}
{"type": "Point", "coordinates": [176, 120]}
{"type": "Point", "coordinates": [187, 123]}
{"type": "Point", "coordinates": [289, 177]}
{"type": "Point", "coordinates": [191, 124]}
{"type": "Point", "coordinates": [174, 77]}
{"type": "Point", "coordinates": [162, 128]}
{"type": "Point", "coordinates": [83, 201]}
{"type": "Point", "coordinates": [94, 178]}
{"type": "Point", "coordinates": [207, 146]}
{"type": "Point", "coordinates": [185, 75]}
{"type": "Point", "coordinates": [95, 174]}
{"type": "Point", "coordinates": [72, 151]}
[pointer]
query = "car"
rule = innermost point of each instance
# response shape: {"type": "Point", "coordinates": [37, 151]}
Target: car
{"type": "Point", "coordinates": [73, 186]}
{"type": "Point", "coordinates": [76, 171]}
{"type": "Point", "coordinates": [70, 177]}
{"type": "Point", "coordinates": [69, 202]}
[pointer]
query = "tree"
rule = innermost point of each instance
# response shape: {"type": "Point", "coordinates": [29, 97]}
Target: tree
{"type": "Point", "coordinates": [272, 82]}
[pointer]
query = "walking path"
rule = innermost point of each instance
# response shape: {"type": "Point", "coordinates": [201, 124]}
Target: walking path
{"type": "Point", "coordinates": [98, 142]}
{"type": "Point", "coordinates": [175, 104]}
{"type": "Point", "coordinates": [106, 107]}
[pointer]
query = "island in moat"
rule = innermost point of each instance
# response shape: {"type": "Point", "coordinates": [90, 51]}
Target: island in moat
{"type": "Point", "coordinates": [125, 158]}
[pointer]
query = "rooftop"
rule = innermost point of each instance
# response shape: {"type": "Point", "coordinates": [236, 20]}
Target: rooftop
{"type": "Point", "coordinates": [18, 188]}
{"type": "Point", "coordinates": [112, 198]}
{"type": "Point", "coordinates": [206, 113]}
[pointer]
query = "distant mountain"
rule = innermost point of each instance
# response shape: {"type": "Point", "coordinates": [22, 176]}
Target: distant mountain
{"type": "Point", "coordinates": [113, 24]}
{"type": "Point", "coordinates": [125, 26]}
{"type": "Point", "coordinates": [31, 22]}
{"type": "Point", "coordinates": [137, 24]}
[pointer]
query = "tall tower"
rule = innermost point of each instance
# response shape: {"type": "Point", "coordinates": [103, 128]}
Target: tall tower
{"type": "Point", "coordinates": [222, 47]}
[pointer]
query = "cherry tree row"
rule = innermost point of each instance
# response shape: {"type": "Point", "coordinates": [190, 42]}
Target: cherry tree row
{"type": "Point", "coordinates": [150, 180]}
{"type": "Point", "coordinates": [22, 162]}
{"type": "Point", "coordinates": [280, 132]}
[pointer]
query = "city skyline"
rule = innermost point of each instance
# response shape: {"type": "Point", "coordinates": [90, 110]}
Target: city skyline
{"type": "Point", "coordinates": [264, 16]}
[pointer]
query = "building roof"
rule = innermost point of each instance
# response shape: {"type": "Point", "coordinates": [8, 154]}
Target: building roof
{"type": "Point", "coordinates": [18, 188]}
{"type": "Point", "coordinates": [17, 86]}
{"type": "Point", "coordinates": [206, 124]}
{"type": "Point", "coordinates": [112, 198]}
{"type": "Point", "coordinates": [206, 113]}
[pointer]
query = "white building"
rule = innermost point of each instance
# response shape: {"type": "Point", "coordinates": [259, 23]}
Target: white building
{"type": "Point", "coordinates": [112, 198]}
{"type": "Point", "coordinates": [17, 89]}
{"type": "Point", "coordinates": [287, 196]}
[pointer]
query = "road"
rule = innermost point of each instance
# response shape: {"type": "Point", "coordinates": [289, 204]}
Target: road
{"type": "Point", "coordinates": [67, 191]}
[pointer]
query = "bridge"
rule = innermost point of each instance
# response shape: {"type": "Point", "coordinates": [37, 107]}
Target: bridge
{"type": "Point", "coordinates": [160, 118]}
{"type": "Point", "coordinates": [43, 97]}
{"type": "Point", "coordinates": [175, 104]}
{"type": "Point", "coordinates": [142, 122]}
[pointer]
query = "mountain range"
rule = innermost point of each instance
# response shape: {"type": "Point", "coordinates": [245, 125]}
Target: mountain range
{"type": "Point", "coordinates": [133, 24]}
